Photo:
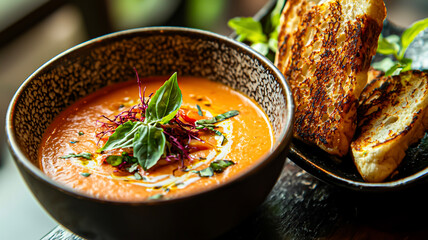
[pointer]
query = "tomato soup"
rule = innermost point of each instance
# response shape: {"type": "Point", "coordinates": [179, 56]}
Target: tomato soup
{"type": "Point", "coordinates": [73, 150]}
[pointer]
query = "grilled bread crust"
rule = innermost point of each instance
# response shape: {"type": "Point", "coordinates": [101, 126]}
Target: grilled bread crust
{"type": "Point", "coordinates": [324, 51]}
{"type": "Point", "coordinates": [392, 116]}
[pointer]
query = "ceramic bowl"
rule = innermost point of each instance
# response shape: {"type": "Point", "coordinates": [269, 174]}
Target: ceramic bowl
{"type": "Point", "coordinates": [94, 64]}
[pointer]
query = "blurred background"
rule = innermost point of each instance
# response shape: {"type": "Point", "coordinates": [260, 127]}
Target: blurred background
{"type": "Point", "coordinates": [34, 31]}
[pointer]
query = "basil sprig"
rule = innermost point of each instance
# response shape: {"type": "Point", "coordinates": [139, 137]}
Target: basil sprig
{"type": "Point", "coordinates": [251, 30]}
{"type": "Point", "coordinates": [397, 46]}
{"type": "Point", "coordinates": [147, 138]}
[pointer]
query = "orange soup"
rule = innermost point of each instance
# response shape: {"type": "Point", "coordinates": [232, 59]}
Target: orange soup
{"type": "Point", "coordinates": [130, 142]}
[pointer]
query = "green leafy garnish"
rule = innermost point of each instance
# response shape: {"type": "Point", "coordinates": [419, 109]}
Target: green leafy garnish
{"type": "Point", "coordinates": [80, 133]}
{"type": "Point", "coordinates": [149, 144]}
{"type": "Point", "coordinates": [200, 113]}
{"type": "Point", "coordinates": [146, 139]}
{"type": "Point", "coordinates": [123, 136]}
{"type": "Point", "coordinates": [114, 160]}
{"type": "Point", "coordinates": [251, 30]}
{"type": "Point", "coordinates": [216, 166]}
{"type": "Point", "coordinates": [79, 155]}
{"type": "Point", "coordinates": [149, 138]}
{"type": "Point", "coordinates": [397, 46]}
{"type": "Point", "coordinates": [85, 174]}
{"type": "Point", "coordinates": [206, 172]}
{"type": "Point", "coordinates": [156, 196]}
{"type": "Point", "coordinates": [137, 176]}
{"type": "Point", "coordinates": [218, 118]}
{"type": "Point", "coordinates": [165, 103]}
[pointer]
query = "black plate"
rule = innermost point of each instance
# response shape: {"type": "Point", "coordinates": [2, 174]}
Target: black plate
{"type": "Point", "coordinates": [341, 171]}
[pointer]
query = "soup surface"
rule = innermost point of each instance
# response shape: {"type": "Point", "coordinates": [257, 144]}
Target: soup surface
{"type": "Point", "coordinates": [78, 130]}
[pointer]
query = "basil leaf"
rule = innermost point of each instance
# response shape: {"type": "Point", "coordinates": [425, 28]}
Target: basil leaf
{"type": "Point", "coordinates": [82, 155]}
{"type": "Point", "coordinates": [114, 160]}
{"type": "Point", "coordinates": [276, 13]}
{"type": "Point", "coordinates": [219, 166]}
{"type": "Point", "coordinates": [410, 33]}
{"type": "Point", "coordinates": [149, 145]}
{"type": "Point", "coordinates": [165, 103]}
{"type": "Point", "coordinates": [248, 28]}
{"type": "Point", "coordinates": [122, 137]}
{"type": "Point", "coordinates": [218, 118]}
{"type": "Point", "coordinates": [406, 64]}
{"type": "Point", "coordinates": [394, 70]}
{"type": "Point", "coordinates": [388, 45]}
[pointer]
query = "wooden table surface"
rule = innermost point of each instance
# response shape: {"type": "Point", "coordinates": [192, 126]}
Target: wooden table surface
{"type": "Point", "coordinates": [302, 207]}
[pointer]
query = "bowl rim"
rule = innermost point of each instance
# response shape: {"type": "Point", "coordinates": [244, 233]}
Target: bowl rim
{"type": "Point", "coordinates": [281, 143]}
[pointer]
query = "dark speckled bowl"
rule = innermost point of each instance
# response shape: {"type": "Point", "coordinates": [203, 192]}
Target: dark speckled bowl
{"type": "Point", "coordinates": [152, 51]}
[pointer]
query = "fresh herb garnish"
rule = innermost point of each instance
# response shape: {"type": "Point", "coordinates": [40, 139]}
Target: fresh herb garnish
{"type": "Point", "coordinates": [137, 176]}
{"type": "Point", "coordinates": [81, 155]}
{"type": "Point", "coordinates": [80, 133]}
{"type": "Point", "coordinates": [149, 145]}
{"type": "Point", "coordinates": [165, 103]}
{"type": "Point", "coordinates": [209, 123]}
{"type": "Point", "coordinates": [154, 131]}
{"type": "Point", "coordinates": [147, 138]}
{"type": "Point", "coordinates": [216, 166]}
{"type": "Point", "coordinates": [200, 113]}
{"type": "Point", "coordinates": [251, 30]}
{"type": "Point", "coordinates": [74, 141]}
{"type": "Point", "coordinates": [156, 196]}
{"type": "Point", "coordinates": [397, 46]}
{"type": "Point", "coordinates": [114, 160]}
{"type": "Point", "coordinates": [85, 174]}
{"type": "Point", "coordinates": [218, 118]}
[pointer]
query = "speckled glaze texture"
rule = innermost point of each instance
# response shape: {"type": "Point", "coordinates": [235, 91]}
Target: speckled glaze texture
{"type": "Point", "coordinates": [98, 64]}
{"type": "Point", "coordinates": [151, 51]}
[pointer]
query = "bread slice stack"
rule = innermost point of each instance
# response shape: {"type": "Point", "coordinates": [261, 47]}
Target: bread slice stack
{"type": "Point", "coordinates": [392, 116]}
{"type": "Point", "coordinates": [324, 50]}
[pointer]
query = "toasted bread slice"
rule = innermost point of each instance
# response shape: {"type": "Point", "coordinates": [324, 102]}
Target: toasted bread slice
{"type": "Point", "coordinates": [324, 51]}
{"type": "Point", "coordinates": [392, 116]}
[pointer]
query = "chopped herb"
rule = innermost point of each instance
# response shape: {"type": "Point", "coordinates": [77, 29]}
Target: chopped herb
{"type": "Point", "coordinates": [121, 106]}
{"type": "Point", "coordinates": [81, 133]}
{"type": "Point", "coordinates": [85, 174]}
{"type": "Point", "coordinates": [114, 160]}
{"type": "Point", "coordinates": [200, 113]}
{"type": "Point", "coordinates": [217, 166]}
{"type": "Point", "coordinates": [133, 168]}
{"type": "Point", "coordinates": [218, 118]}
{"type": "Point", "coordinates": [82, 155]}
{"type": "Point", "coordinates": [137, 176]}
{"type": "Point", "coordinates": [156, 196]}
{"type": "Point", "coordinates": [74, 141]}
{"type": "Point", "coordinates": [206, 172]}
